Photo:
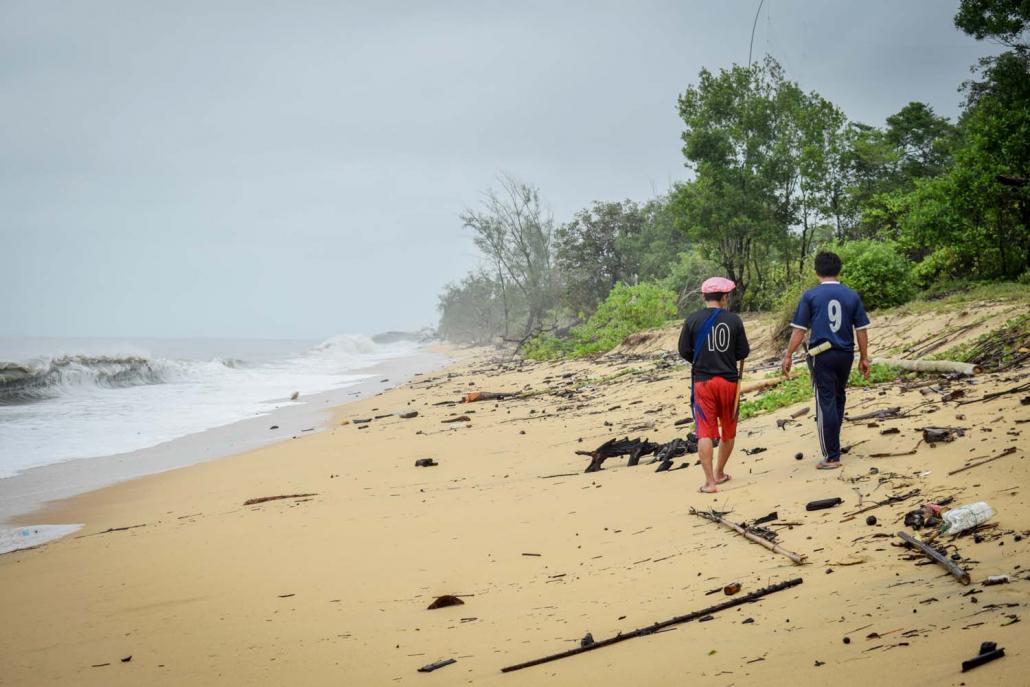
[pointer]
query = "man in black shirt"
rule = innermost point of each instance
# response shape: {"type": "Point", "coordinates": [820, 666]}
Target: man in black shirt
{"type": "Point", "coordinates": [713, 340]}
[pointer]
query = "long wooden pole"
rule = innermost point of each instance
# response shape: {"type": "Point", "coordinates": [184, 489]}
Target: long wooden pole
{"type": "Point", "coordinates": [797, 558]}
{"type": "Point", "coordinates": [959, 574]}
{"type": "Point", "coordinates": [736, 400]}
{"type": "Point", "coordinates": [651, 629]}
{"type": "Point", "coordinates": [968, 369]}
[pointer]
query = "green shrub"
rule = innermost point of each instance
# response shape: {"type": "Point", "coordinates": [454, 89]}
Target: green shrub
{"type": "Point", "coordinates": [626, 310]}
{"type": "Point", "coordinates": [878, 271]}
{"type": "Point", "coordinates": [941, 265]}
{"type": "Point", "coordinates": [546, 347]}
{"type": "Point", "coordinates": [787, 305]}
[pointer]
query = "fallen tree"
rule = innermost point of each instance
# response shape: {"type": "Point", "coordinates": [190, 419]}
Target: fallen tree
{"type": "Point", "coordinates": [967, 369]}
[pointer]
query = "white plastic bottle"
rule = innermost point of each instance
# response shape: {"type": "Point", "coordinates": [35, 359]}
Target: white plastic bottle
{"type": "Point", "coordinates": [961, 519]}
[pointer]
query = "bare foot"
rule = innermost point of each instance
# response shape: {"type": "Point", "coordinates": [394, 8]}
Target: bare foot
{"type": "Point", "coordinates": [708, 489]}
{"type": "Point", "coordinates": [723, 479]}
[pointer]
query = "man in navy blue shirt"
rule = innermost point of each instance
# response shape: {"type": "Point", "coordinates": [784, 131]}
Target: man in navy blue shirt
{"type": "Point", "coordinates": [831, 311]}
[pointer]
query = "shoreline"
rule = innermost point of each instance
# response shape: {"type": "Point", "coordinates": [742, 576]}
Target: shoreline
{"type": "Point", "coordinates": [26, 494]}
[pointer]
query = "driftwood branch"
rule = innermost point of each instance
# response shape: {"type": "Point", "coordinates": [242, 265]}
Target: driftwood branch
{"type": "Point", "coordinates": [263, 499]}
{"type": "Point", "coordinates": [997, 394]}
{"type": "Point", "coordinates": [651, 629]}
{"type": "Point", "coordinates": [798, 559]}
{"type": "Point", "coordinates": [959, 574]}
{"type": "Point", "coordinates": [890, 500]}
{"type": "Point", "coordinates": [1007, 452]}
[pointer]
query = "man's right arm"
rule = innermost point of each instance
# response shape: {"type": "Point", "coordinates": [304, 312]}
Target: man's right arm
{"type": "Point", "coordinates": [799, 325]}
{"type": "Point", "coordinates": [796, 337]}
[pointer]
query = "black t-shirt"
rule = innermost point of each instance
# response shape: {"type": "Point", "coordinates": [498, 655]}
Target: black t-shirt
{"type": "Point", "coordinates": [725, 345]}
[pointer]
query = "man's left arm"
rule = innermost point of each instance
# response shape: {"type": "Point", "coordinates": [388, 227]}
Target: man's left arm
{"type": "Point", "coordinates": [743, 348]}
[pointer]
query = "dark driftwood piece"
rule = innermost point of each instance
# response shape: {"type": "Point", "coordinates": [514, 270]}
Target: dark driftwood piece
{"type": "Point", "coordinates": [651, 629]}
{"type": "Point", "coordinates": [997, 394]}
{"type": "Point", "coordinates": [886, 502]}
{"type": "Point", "coordinates": [958, 573]}
{"type": "Point", "coordinates": [618, 447]}
{"type": "Point", "coordinates": [1007, 452]}
{"type": "Point", "coordinates": [882, 414]}
{"type": "Point", "coordinates": [460, 418]}
{"type": "Point", "coordinates": [262, 499]}
{"type": "Point", "coordinates": [898, 455]}
{"type": "Point", "coordinates": [439, 664]}
{"type": "Point", "coordinates": [445, 601]}
{"type": "Point", "coordinates": [668, 452]}
{"type": "Point", "coordinates": [985, 657]}
{"type": "Point", "coordinates": [109, 529]}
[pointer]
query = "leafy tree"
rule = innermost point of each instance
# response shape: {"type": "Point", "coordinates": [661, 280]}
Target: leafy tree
{"type": "Point", "coordinates": [515, 235]}
{"type": "Point", "coordinates": [473, 310]}
{"type": "Point", "coordinates": [1002, 20]}
{"type": "Point", "coordinates": [922, 140]}
{"type": "Point", "coordinates": [592, 252]}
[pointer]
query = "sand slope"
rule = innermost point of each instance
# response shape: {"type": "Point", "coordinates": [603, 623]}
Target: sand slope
{"type": "Point", "coordinates": [332, 589]}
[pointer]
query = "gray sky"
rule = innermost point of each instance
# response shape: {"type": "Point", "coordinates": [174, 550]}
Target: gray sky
{"type": "Point", "coordinates": [296, 169]}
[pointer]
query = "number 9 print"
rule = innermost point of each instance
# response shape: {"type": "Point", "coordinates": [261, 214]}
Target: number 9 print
{"type": "Point", "coordinates": [836, 315]}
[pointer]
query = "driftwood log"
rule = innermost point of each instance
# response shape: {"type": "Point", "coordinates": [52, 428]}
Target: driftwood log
{"type": "Point", "coordinates": [651, 629]}
{"type": "Point", "coordinates": [714, 517]}
{"type": "Point", "coordinates": [967, 369]}
{"type": "Point", "coordinates": [760, 384]}
{"type": "Point", "coordinates": [958, 573]}
{"type": "Point", "coordinates": [634, 448]}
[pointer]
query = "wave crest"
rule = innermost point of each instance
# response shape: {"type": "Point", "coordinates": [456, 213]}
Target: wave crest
{"type": "Point", "coordinates": [46, 378]}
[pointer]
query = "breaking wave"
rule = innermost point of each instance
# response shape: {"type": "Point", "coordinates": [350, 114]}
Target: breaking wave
{"type": "Point", "coordinates": [51, 377]}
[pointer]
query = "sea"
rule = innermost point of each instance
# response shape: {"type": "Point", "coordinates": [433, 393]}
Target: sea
{"type": "Point", "coordinates": [69, 400]}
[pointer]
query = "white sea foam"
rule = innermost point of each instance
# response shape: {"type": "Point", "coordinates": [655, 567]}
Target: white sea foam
{"type": "Point", "coordinates": [63, 404]}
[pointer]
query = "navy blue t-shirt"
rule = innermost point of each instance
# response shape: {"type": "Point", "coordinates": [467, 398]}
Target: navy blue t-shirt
{"type": "Point", "coordinates": [830, 310]}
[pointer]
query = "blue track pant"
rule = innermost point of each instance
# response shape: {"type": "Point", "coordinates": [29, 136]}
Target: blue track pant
{"type": "Point", "coordinates": [830, 372]}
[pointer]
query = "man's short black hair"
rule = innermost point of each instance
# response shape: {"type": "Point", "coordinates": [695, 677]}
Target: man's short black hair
{"type": "Point", "coordinates": [827, 264]}
{"type": "Point", "coordinates": [717, 296]}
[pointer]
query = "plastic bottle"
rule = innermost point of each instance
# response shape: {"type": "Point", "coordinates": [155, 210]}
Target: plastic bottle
{"type": "Point", "coordinates": [961, 519]}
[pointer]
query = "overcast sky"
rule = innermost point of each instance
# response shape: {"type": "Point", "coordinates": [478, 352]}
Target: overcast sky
{"type": "Point", "coordinates": [296, 169]}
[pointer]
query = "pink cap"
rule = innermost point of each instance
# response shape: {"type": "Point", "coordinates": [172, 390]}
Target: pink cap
{"type": "Point", "coordinates": [718, 285]}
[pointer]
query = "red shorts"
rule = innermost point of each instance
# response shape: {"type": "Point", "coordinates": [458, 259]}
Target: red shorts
{"type": "Point", "coordinates": [714, 405]}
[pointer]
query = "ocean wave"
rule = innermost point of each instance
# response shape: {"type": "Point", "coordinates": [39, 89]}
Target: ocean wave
{"type": "Point", "coordinates": [51, 377]}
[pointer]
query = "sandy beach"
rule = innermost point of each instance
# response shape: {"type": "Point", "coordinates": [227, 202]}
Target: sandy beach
{"type": "Point", "coordinates": [331, 587]}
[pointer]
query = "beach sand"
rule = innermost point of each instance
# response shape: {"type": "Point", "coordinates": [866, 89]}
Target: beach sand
{"type": "Point", "coordinates": [332, 588]}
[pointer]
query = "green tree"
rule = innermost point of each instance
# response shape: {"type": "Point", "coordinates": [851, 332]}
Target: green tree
{"type": "Point", "coordinates": [473, 310]}
{"type": "Point", "coordinates": [514, 234]}
{"type": "Point", "coordinates": [735, 144]}
{"type": "Point", "coordinates": [1002, 20]}
{"type": "Point", "coordinates": [592, 252]}
{"type": "Point", "coordinates": [922, 140]}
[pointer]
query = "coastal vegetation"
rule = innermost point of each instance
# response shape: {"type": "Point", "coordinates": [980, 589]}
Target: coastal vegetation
{"type": "Point", "coordinates": [917, 205]}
